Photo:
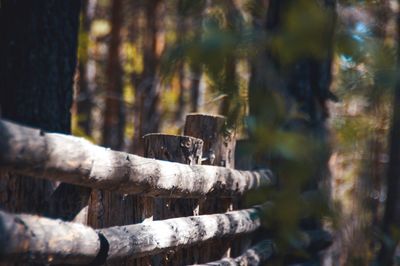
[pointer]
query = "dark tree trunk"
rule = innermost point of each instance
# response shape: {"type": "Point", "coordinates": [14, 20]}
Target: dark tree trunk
{"type": "Point", "coordinates": [295, 77]}
{"type": "Point", "coordinates": [391, 219]}
{"type": "Point", "coordinates": [196, 73]}
{"type": "Point", "coordinates": [114, 122]}
{"type": "Point", "coordinates": [303, 80]}
{"type": "Point", "coordinates": [229, 105]}
{"type": "Point", "coordinates": [38, 59]}
{"type": "Point", "coordinates": [38, 48]}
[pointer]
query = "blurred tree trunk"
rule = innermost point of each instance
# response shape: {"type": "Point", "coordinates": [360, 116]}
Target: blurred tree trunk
{"type": "Point", "coordinates": [38, 58]}
{"type": "Point", "coordinates": [294, 77]}
{"type": "Point", "coordinates": [147, 91]}
{"type": "Point", "coordinates": [114, 113]}
{"type": "Point", "coordinates": [196, 73]}
{"type": "Point", "coordinates": [86, 85]}
{"type": "Point", "coordinates": [181, 31]}
{"type": "Point", "coordinates": [229, 105]}
{"type": "Point", "coordinates": [108, 208]}
{"type": "Point", "coordinates": [195, 68]}
{"type": "Point", "coordinates": [391, 219]}
{"type": "Point", "coordinates": [189, 17]}
{"type": "Point", "coordinates": [303, 80]}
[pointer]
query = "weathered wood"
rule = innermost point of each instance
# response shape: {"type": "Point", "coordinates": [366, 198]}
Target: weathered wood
{"type": "Point", "coordinates": [219, 149]}
{"type": "Point", "coordinates": [180, 149]}
{"type": "Point", "coordinates": [74, 160]}
{"type": "Point", "coordinates": [153, 237]}
{"type": "Point", "coordinates": [36, 239]}
{"type": "Point", "coordinates": [251, 257]}
{"type": "Point", "coordinates": [173, 148]}
{"type": "Point", "coordinates": [219, 140]}
{"type": "Point", "coordinates": [29, 238]}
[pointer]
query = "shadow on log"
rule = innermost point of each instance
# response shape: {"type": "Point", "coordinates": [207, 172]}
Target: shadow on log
{"type": "Point", "coordinates": [74, 160]}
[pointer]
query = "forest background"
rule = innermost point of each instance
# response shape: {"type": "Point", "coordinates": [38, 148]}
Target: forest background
{"type": "Point", "coordinates": [310, 86]}
{"type": "Point", "coordinates": [143, 65]}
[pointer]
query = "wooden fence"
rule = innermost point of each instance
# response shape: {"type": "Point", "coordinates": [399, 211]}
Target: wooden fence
{"type": "Point", "coordinates": [205, 199]}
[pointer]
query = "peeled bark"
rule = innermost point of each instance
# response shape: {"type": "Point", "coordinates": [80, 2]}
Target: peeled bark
{"type": "Point", "coordinates": [153, 237]}
{"type": "Point", "coordinates": [27, 238]}
{"type": "Point", "coordinates": [74, 160]}
{"type": "Point", "coordinates": [35, 239]}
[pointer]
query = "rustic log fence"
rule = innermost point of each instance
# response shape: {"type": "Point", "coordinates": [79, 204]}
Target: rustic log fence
{"type": "Point", "coordinates": [187, 187]}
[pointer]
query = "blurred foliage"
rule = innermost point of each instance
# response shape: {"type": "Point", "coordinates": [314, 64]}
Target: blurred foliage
{"type": "Point", "coordinates": [225, 40]}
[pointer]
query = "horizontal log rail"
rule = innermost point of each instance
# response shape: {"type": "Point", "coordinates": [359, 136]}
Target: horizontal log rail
{"type": "Point", "coordinates": [315, 241]}
{"type": "Point", "coordinates": [30, 238]}
{"type": "Point", "coordinates": [69, 159]}
{"type": "Point", "coordinates": [255, 255]}
{"type": "Point", "coordinates": [42, 240]}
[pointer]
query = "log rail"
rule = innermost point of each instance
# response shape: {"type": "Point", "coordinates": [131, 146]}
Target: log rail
{"type": "Point", "coordinates": [64, 158]}
{"type": "Point", "coordinates": [31, 238]}
{"type": "Point", "coordinates": [43, 240]}
{"type": "Point", "coordinates": [69, 159]}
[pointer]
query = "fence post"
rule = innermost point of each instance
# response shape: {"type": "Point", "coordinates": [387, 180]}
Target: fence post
{"type": "Point", "coordinates": [180, 149]}
{"type": "Point", "coordinates": [218, 149]}
{"type": "Point", "coordinates": [108, 208]}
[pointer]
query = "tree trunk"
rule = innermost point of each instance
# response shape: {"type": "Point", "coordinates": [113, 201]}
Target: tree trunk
{"type": "Point", "coordinates": [289, 77]}
{"type": "Point", "coordinates": [181, 31]}
{"type": "Point", "coordinates": [113, 126]}
{"type": "Point", "coordinates": [86, 86]}
{"type": "Point", "coordinates": [147, 91]}
{"type": "Point", "coordinates": [38, 58]}
{"type": "Point", "coordinates": [108, 208]}
{"type": "Point", "coordinates": [229, 105]}
{"type": "Point", "coordinates": [391, 219]}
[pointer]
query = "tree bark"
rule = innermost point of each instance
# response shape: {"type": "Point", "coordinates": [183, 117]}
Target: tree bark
{"type": "Point", "coordinates": [38, 51]}
{"type": "Point", "coordinates": [219, 140]}
{"type": "Point", "coordinates": [27, 238]}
